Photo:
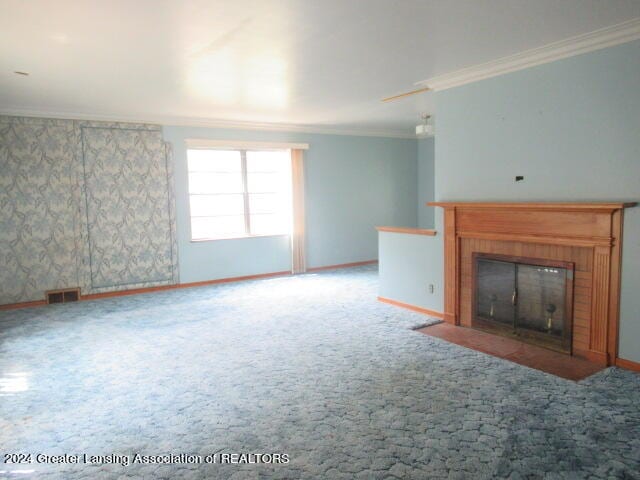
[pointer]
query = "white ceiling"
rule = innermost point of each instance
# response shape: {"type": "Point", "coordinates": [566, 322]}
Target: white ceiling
{"type": "Point", "coordinates": [304, 62]}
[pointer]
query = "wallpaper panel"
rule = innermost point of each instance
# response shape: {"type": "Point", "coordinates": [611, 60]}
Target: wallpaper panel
{"type": "Point", "coordinates": [38, 221]}
{"type": "Point", "coordinates": [48, 212]}
{"type": "Point", "coordinates": [127, 206]}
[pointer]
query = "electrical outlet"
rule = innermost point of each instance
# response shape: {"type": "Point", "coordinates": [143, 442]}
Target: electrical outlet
{"type": "Point", "coordinates": [431, 288]}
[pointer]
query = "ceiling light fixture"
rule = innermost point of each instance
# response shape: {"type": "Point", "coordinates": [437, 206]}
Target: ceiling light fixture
{"type": "Point", "coordinates": [425, 129]}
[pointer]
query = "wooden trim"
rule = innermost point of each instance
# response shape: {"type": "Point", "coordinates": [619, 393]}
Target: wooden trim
{"type": "Point", "coordinates": [342, 265]}
{"type": "Point", "coordinates": [614, 287]}
{"type": "Point", "coordinates": [628, 364]}
{"type": "Point", "coordinates": [178, 286]}
{"type": "Point", "coordinates": [549, 239]}
{"type": "Point", "coordinates": [258, 276]}
{"type": "Point", "coordinates": [593, 226]}
{"type": "Point", "coordinates": [600, 320]}
{"type": "Point", "coordinates": [133, 291]}
{"type": "Point", "coordinates": [406, 94]}
{"type": "Point", "coordinates": [414, 231]}
{"type": "Point", "coordinates": [15, 306]}
{"type": "Point", "coordinates": [160, 288]}
{"type": "Point", "coordinates": [599, 358]}
{"type": "Point", "coordinates": [559, 206]}
{"type": "Point", "coordinates": [532, 261]}
{"type": "Point", "coordinates": [408, 306]}
{"type": "Point", "coordinates": [452, 268]}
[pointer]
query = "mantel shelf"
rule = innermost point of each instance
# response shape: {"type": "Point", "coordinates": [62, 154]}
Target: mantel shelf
{"type": "Point", "coordinates": [559, 206]}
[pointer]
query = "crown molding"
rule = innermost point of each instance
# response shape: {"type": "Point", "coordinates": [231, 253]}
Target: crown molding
{"type": "Point", "coordinates": [605, 37]}
{"type": "Point", "coordinates": [207, 123]}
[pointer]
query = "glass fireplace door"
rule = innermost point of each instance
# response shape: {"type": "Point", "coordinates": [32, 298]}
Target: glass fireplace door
{"type": "Point", "coordinates": [540, 305]}
{"type": "Point", "coordinates": [523, 300]}
{"type": "Point", "coordinates": [496, 284]}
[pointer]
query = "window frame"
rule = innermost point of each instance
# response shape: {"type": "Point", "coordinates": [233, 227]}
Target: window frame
{"type": "Point", "coordinates": [245, 190]}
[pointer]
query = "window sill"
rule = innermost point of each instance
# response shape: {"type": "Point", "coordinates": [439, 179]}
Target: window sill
{"type": "Point", "coordinates": [200, 240]}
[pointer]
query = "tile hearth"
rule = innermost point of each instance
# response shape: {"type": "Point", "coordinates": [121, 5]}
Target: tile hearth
{"type": "Point", "coordinates": [532, 356]}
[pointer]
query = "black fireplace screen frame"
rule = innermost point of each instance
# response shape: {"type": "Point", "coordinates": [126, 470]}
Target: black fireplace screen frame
{"type": "Point", "coordinates": [565, 345]}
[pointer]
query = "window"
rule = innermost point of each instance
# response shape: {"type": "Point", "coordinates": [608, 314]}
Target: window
{"type": "Point", "coordinates": [239, 193]}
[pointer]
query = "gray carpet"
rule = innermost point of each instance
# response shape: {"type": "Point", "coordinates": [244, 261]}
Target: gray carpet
{"type": "Point", "coordinates": [309, 366]}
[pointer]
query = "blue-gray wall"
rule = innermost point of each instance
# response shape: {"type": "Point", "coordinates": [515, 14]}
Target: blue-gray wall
{"type": "Point", "coordinates": [352, 184]}
{"type": "Point", "coordinates": [426, 185]}
{"type": "Point", "coordinates": [571, 127]}
{"type": "Point", "coordinates": [409, 264]}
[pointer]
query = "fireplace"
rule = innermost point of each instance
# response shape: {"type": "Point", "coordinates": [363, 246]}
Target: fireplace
{"type": "Point", "coordinates": [579, 245]}
{"type": "Point", "coordinates": [526, 298]}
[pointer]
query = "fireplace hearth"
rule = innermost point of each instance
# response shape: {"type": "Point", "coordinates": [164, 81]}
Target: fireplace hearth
{"type": "Point", "coordinates": [524, 298]}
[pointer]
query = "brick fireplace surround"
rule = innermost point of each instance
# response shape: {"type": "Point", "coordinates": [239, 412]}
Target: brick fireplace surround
{"type": "Point", "coordinates": [589, 235]}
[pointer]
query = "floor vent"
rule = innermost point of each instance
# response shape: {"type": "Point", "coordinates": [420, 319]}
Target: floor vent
{"type": "Point", "coordinates": [63, 296]}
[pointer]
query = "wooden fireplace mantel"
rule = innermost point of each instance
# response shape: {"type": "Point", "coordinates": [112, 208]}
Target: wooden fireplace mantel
{"type": "Point", "coordinates": [586, 234]}
{"type": "Point", "coordinates": [559, 206]}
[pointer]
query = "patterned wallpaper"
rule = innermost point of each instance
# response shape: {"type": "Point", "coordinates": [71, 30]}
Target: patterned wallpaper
{"type": "Point", "coordinates": [86, 204]}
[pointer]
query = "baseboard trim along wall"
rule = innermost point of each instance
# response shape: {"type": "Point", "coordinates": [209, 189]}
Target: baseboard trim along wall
{"type": "Point", "coordinates": [178, 286]}
{"type": "Point", "coordinates": [414, 308]}
{"type": "Point", "coordinates": [14, 306]}
{"type": "Point", "coordinates": [137, 291]}
{"type": "Point", "coordinates": [342, 265]}
{"type": "Point", "coordinates": [628, 364]}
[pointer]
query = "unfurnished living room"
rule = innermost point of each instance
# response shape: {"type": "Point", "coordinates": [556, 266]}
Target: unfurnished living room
{"type": "Point", "coordinates": [320, 239]}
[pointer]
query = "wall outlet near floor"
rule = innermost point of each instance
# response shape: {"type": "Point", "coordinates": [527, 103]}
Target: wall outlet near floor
{"type": "Point", "coordinates": [431, 288]}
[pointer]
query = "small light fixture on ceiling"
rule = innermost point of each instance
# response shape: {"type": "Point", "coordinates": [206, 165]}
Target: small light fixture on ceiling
{"type": "Point", "coordinates": [425, 129]}
{"type": "Point", "coordinates": [24, 74]}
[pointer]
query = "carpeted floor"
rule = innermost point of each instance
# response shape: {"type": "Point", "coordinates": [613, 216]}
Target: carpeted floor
{"type": "Point", "coordinates": [309, 366]}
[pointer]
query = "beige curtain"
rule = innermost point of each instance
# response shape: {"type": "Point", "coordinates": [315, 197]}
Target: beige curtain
{"type": "Point", "coordinates": [298, 263]}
